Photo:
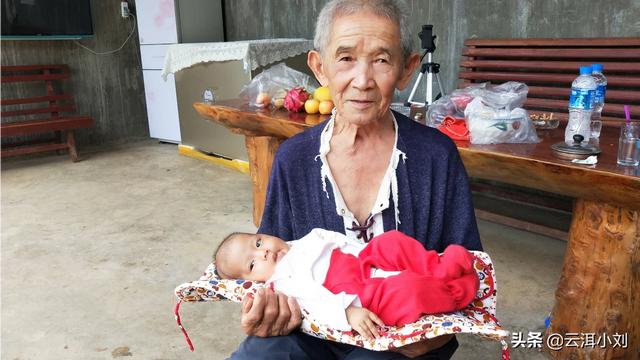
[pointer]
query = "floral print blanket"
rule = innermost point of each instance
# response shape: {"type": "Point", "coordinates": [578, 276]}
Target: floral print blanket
{"type": "Point", "coordinates": [478, 318]}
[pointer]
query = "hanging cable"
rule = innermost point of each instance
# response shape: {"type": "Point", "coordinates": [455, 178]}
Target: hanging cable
{"type": "Point", "coordinates": [116, 50]}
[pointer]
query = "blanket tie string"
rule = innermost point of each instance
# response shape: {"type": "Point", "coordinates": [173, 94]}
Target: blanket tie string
{"type": "Point", "coordinates": [176, 312]}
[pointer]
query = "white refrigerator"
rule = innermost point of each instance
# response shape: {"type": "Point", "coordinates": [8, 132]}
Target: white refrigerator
{"type": "Point", "coordinates": [160, 24]}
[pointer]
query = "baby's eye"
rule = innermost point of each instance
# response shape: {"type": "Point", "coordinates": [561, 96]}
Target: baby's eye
{"type": "Point", "coordinates": [258, 242]}
{"type": "Point", "coordinates": [253, 262]}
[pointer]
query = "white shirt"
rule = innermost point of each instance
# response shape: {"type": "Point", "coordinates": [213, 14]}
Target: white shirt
{"type": "Point", "coordinates": [303, 270]}
{"type": "Point", "coordinates": [389, 185]}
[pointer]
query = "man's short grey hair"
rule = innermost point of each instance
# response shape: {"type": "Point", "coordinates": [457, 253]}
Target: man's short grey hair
{"type": "Point", "coordinates": [393, 10]}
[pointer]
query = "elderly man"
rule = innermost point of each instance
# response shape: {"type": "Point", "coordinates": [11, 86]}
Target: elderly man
{"type": "Point", "coordinates": [364, 171]}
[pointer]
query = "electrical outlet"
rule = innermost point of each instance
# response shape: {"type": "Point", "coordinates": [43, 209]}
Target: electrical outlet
{"type": "Point", "coordinates": [124, 9]}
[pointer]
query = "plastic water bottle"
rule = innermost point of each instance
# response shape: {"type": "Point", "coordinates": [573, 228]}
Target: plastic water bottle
{"type": "Point", "coordinates": [598, 103]}
{"type": "Point", "coordinates": [581, 101]}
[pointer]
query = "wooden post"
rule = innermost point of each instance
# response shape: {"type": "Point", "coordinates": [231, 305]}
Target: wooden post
{"type": "Point", "coordinates": [71, 144]}
{"type": "Point", "coordinates": [261, 150]}
{"type": "Point", "coordinates": [599, 290]}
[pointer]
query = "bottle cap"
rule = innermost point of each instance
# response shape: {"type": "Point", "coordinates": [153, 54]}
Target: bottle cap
{"type": "Point", "coordinates": [585, 70]}
{"type": "Point", "coordinates": [597, 67]}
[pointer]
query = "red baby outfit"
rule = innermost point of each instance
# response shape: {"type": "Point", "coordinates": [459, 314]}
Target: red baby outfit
{"type": "Point", "coordinates": [427, 283]}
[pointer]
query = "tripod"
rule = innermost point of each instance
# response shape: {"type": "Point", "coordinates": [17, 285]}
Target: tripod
{"type": "Point", "coordinates": [431, 68]}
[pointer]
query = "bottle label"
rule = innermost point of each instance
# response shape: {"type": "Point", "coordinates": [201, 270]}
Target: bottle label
{"type": "Point", "coordinates": [582, 99]}
{"type": "Point", "coordinates": [600, 91]}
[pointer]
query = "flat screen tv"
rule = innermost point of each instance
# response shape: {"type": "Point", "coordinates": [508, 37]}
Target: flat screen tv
{"type": "Point", "coordinates": [46, 19]}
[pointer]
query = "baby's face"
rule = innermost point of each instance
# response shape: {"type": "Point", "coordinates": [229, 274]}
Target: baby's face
{"type": "Point", "coordinates": [252, 256]}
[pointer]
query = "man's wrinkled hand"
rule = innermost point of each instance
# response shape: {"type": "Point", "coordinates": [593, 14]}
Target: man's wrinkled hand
{"type": "Point", "coordinates": [420, 348]}
{"type": "Point", "coordinates": [269, 314]}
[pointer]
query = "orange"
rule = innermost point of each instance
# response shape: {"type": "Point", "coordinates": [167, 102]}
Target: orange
{"type": "Point", "coordinates": [311, 106]}
{"type": "Point", "coordinates": [278, 103]}
{"type": "Point", "coordinates": [325, 107]}
{"type": "Point", "coordinates": [322, 94]}
{"type": "Point", "coordinates": [263, 99]}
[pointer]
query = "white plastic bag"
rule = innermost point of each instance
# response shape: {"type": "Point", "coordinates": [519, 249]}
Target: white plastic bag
{"type": "Point", "coordinates": [488, 125]}
{"type": "Point", "coordinates": [438, 110]}
{"type": "Point", "coordinates": [273, 83]}
{"type": "Point", "coordinates": [462, 97]}
{"type": "Point", "coordinates": [507, 96]}
{"type": "Point", "coordinates": [453, 105]}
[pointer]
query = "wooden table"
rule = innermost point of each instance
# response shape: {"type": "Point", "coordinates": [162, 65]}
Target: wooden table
{"type": "Point", "coordinates": [599, 290]}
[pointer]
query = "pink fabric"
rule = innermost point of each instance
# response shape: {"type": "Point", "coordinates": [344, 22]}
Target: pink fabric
{"type": "Point", "coordinates": [428, 283]}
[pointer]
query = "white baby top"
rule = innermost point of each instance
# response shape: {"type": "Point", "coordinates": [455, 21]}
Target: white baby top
{"type": "Point", "coordinates": [303, 270]}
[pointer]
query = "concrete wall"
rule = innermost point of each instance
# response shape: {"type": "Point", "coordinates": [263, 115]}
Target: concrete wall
{"type": "Point", "coordinates": [453, 20]}
{"type": "Point", "coordinates": [109, 88]}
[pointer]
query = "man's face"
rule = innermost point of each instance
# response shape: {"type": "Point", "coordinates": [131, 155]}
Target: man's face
{"type": "Point", "coordinates": [251, 256]}
{"type": "Point", "coordinates": [362, 65]}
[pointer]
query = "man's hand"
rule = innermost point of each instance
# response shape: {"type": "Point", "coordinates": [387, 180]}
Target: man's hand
{"type": "Point", "coordinates": [269, 314]}
{"type": "Point", "coordinates": [363, 321]}
{"type": "Point", "coordinates": [423, 347]}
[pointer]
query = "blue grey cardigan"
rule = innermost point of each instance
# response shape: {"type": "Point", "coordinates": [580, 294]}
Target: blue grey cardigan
{"type": "Point", "coordinates": [434, 199]}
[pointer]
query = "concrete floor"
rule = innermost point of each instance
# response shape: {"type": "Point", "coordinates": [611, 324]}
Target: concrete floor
{"type": "Point", "coordinates": [92, 251]}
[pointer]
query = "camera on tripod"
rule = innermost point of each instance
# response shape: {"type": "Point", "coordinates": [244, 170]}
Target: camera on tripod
{"type": "Point", "coordinates": [427, 37]}
{"type": "Point", "coordinates": [430, 68]}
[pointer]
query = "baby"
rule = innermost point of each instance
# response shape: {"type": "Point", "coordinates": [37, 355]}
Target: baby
{"type": "Point", "coordinates": [346, 284]}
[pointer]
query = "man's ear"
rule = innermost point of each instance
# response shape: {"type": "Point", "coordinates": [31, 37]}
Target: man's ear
{"type": "Point", "coordinates": [410, 66]}
{"type": "Point", "coordinates": [314, 61]}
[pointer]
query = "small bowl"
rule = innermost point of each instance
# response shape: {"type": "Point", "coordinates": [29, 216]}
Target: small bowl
{"type": "Point", "coordinates": [544, 121]}
{"type": "Point", "coordinates": [546, 124]}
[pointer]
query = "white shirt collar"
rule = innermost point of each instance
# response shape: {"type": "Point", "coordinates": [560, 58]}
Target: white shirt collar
{"type": "Point", "coordinates": [389, 181]}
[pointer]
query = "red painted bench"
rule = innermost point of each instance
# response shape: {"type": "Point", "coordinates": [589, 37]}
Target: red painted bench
{"type": "Point", "coordinates": [52, 111]}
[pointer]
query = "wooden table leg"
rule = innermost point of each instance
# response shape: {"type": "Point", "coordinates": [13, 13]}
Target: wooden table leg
{"type": "Point", "coordinates": [599, 290]}
{"type": "Point", "coordinates": [71, 143]}
{"type": "Point", "coordinates": [261, 151]}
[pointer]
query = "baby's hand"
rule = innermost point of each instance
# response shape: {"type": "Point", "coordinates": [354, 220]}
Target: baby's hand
{"type": "Point", "coordinates": [364, 321]}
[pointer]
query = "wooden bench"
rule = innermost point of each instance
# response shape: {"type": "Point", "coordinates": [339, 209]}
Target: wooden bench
{"type": "Point", "coordinates": [548, 67]}
{"type": "Point", "coordinates": [29, 117]}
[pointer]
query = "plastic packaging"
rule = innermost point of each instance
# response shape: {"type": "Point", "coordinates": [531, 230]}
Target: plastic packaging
{"type": "Point", "coordinates": [598, 103]}
{"type": "Point", "coordinates": [507, 96]}
{"type": "Point", "coordinates": [273, 83]}
{"type": "Point", "coordinates": [462, 97]}
{"type": "Point", "coordinates": [495, 115]}
{"type": "Point", "coordinates": [440, 109]}
{"type": "Point", "coordinates": [490, 125]}
{"type": "Point", "coordinates": [453, 105]}
{"type": "Point", "coordinates": [581, 103]}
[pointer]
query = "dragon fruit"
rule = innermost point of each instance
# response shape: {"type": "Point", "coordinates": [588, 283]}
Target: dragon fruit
{"type": "Point", "coordinates": [295, 98]}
